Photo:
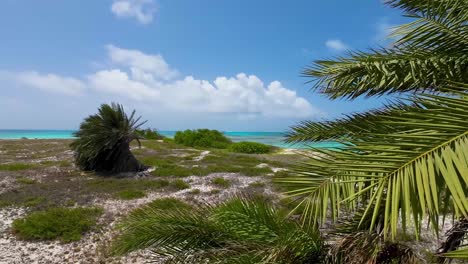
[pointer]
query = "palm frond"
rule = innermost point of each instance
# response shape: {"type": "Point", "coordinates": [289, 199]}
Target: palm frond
{"type": "Point", "coordinates": [416, 171]}
{"type": "Point", "coordinates": [103, 140]}
{"type": "Point", "coordinates": [458, 254]}
{"type": "Point", "coordinates": [387, 71]}
{"type": "Point", "coordinates": [231, 232]}
{"type": "Point", "coordinates": [428, 52]}
{"type": "Point", "coordinates": [342, 129]}
{"type": "Point", "coordinates": [363, 247]}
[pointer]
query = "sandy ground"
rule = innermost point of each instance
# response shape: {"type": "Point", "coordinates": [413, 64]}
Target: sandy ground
{"type": "Point", "coordinates": [90, 249]}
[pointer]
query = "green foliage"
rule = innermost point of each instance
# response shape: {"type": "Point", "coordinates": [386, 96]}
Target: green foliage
{"type": "Point", "coordinates": [195, 191]}
{"type": "Point", "coordinates": [250, 148]}
{"type": "Point", "coordinates": [24, 180]}
{"type": "Point", "coordinates": [168, 204]}
{"type": "Point", "coordinates": [16, 166]}
{"type": "Point", "coordinates": [429, 52]}
{"type": "Point", "coordinates": [427, 158]}
{"type": "Point", "coordinates": [221, 182]}
{"type": "Point", "coordinates": [364, 247]}
{"type": "Point", "coordinates": [257, 184]}
{"type": "Point", "coordinates": [215, 191]}
{"type": "Point", "coordinates": [116, 186]}
{"type": "Point", "coordinates": [151, 134]}
{"type": "Point", "coordinates": [204, 138]}
{"type": "Point", "coordinates": [103, 140]}
{"type": "Point", "coordinates": [33, 201]}
{"type": "Point", "coordinates": [65, 224]}
{"type": "Point", "coordinates": [179, 184]}
{"type": "Point", "coordinates": [238, 231]}
{"type": "Point", "coordinates": [405, 162]}
{"type": "Point", "coordinates": [130, 194]}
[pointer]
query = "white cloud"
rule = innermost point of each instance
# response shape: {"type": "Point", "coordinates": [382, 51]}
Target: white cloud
{"type": "Point", "coordinates": [336, 45]}
{"type": "Point", "coordinates": [141, 64]}
{"type": "Point", "coordinates": [141, 10]}
{"type": "Point", "coordinates": [118, 82]}
{"type": "Point", "coordinates": [47, 82]}
{"type": "Point", "coordinates": [147, 80]}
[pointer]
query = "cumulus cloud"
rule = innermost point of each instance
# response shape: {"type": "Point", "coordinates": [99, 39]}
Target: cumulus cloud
{"type": "Point", "coordinates": [148, 80]}
{"type": "Point", "coordinates": [118, 82]}
{"type": "Point", "coordinates": [141, 10]}
{"type": "Point", "coordinates": [336, 45]}
{"type": "Point", "coordinates": [141, 64]}
{"type": "Point", "coordinates": [47, 82]}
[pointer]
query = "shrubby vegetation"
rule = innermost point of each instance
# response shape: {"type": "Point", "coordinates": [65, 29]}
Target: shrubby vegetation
{"type": "Point", "coordinates": [206, 138]}
{"type": "Point", "coordinates": [130, 194]}
{"type": "Point", "coordinates": [63, 223]}
{"type": "Point", "coordinates": [202, 138]}
{"type": "Point", "coordinates": [151, 134]}
{"type": "Point", "coordinates": [238, 231]}
{"type": "Point", "coordinates": [250, 148]}
{"type": "Point", "coordinates": [17, 166]}
{"type": "Point", "coordinates": [103, 141]}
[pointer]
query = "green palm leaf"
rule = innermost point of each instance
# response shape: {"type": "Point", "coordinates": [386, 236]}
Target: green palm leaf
{"type": "Point", "coordinates": [417, 169]}
{"type": "Point", "coordinates": [428, 52]}
{"type": "Point", "coordinates": [237, 231]}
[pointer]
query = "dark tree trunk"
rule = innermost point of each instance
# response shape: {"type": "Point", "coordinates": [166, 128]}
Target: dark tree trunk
{"type": "Point", "coordinates": [455, 237]}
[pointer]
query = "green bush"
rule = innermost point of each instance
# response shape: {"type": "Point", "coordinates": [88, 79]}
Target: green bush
{"type": "Point", "coordinates": [130, 194]}
{"type": "Point", "coordinates": [150, 134]}
{"type": "Point", "coordinates": [250, 148]}
{"type": "Point", "coordinates": [202, 138]}
{"type": "Point", "coordinates": [24, 180]}
{"type": "Point", "coordinates": [16, 166]}
{"type": "Point", "coordinates": [180, 184]}
{"type": "Point", "coordinates": [168, 204]}
{"type": "Point", "coordinates": [63, 223]}
{"type": "Point", "coordinates": [221, 182]}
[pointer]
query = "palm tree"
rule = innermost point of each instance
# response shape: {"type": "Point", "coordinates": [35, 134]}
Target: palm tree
{"type": "Point", "coordinates": [407, 161]}
{"type": "Point", "coordinates": [241, 230]}
{"type": "Point", "coordinates": [103, 141]}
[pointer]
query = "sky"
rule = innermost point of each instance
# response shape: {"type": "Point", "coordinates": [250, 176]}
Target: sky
{"type": "Point", "coordinates": [232, 65]}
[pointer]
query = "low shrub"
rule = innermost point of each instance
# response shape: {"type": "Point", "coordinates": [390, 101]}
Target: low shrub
{"type": "Point", "coordinates": [16, 166]}
{"type": "Point", "coordinates": [202, 138]}
{"type": "Point", "coordinates": [24, 180]}
{"type": "Point", "coordinates": [257, 184]}
{"type": "Point", "coordinates": [168, 204]}
{"type": "Point", "coordinates": [130, 194]}
{"type": "Point", "coordinates": [151, 134]}
{"type": "Point", "coordinates": [221, 182]}
{"type": "Point", "coordinates": [195, 191]}
{"type": "Point", "coordinates": [180, 184]}
{"type": "Point", "coordinates": [63, 223]}
{"type": "Point", "coordinates": [250, 148]}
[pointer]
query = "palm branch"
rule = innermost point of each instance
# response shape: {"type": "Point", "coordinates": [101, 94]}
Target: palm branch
{"type": "Point", "coordinates": [103, 141]}
{"type": "Point", "coordinates": [417, 168]}
{"type": "Point", "coordinates": [236, 231]}
{"type": "Point", "coordinates": [429, 52]}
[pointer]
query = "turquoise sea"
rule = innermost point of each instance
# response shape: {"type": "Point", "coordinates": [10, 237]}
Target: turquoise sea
{"type": "Point", "coordinates": [270, 138]}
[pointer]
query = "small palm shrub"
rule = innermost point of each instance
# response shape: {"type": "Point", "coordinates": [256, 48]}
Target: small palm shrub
{"type": "Point", "coordinates": [202, 138]}
{"type": "Point", "coordinates": [103, 141]}
{"type": "Point", "coordinates": [151, 134]}
{"type": "Point", "coordinates": [241, 230]}
{"type": "Point", "coordinates": [250, 148]}
{"type": "Point", "coordinates": [63, 223]}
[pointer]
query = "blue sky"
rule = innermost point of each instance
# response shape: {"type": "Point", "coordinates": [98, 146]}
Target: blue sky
{"type": "Point", "coordinates": [229, 65]}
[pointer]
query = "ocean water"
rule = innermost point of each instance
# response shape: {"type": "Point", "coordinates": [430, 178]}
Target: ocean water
{"type": "Point", "coordinates": [270, 138]}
